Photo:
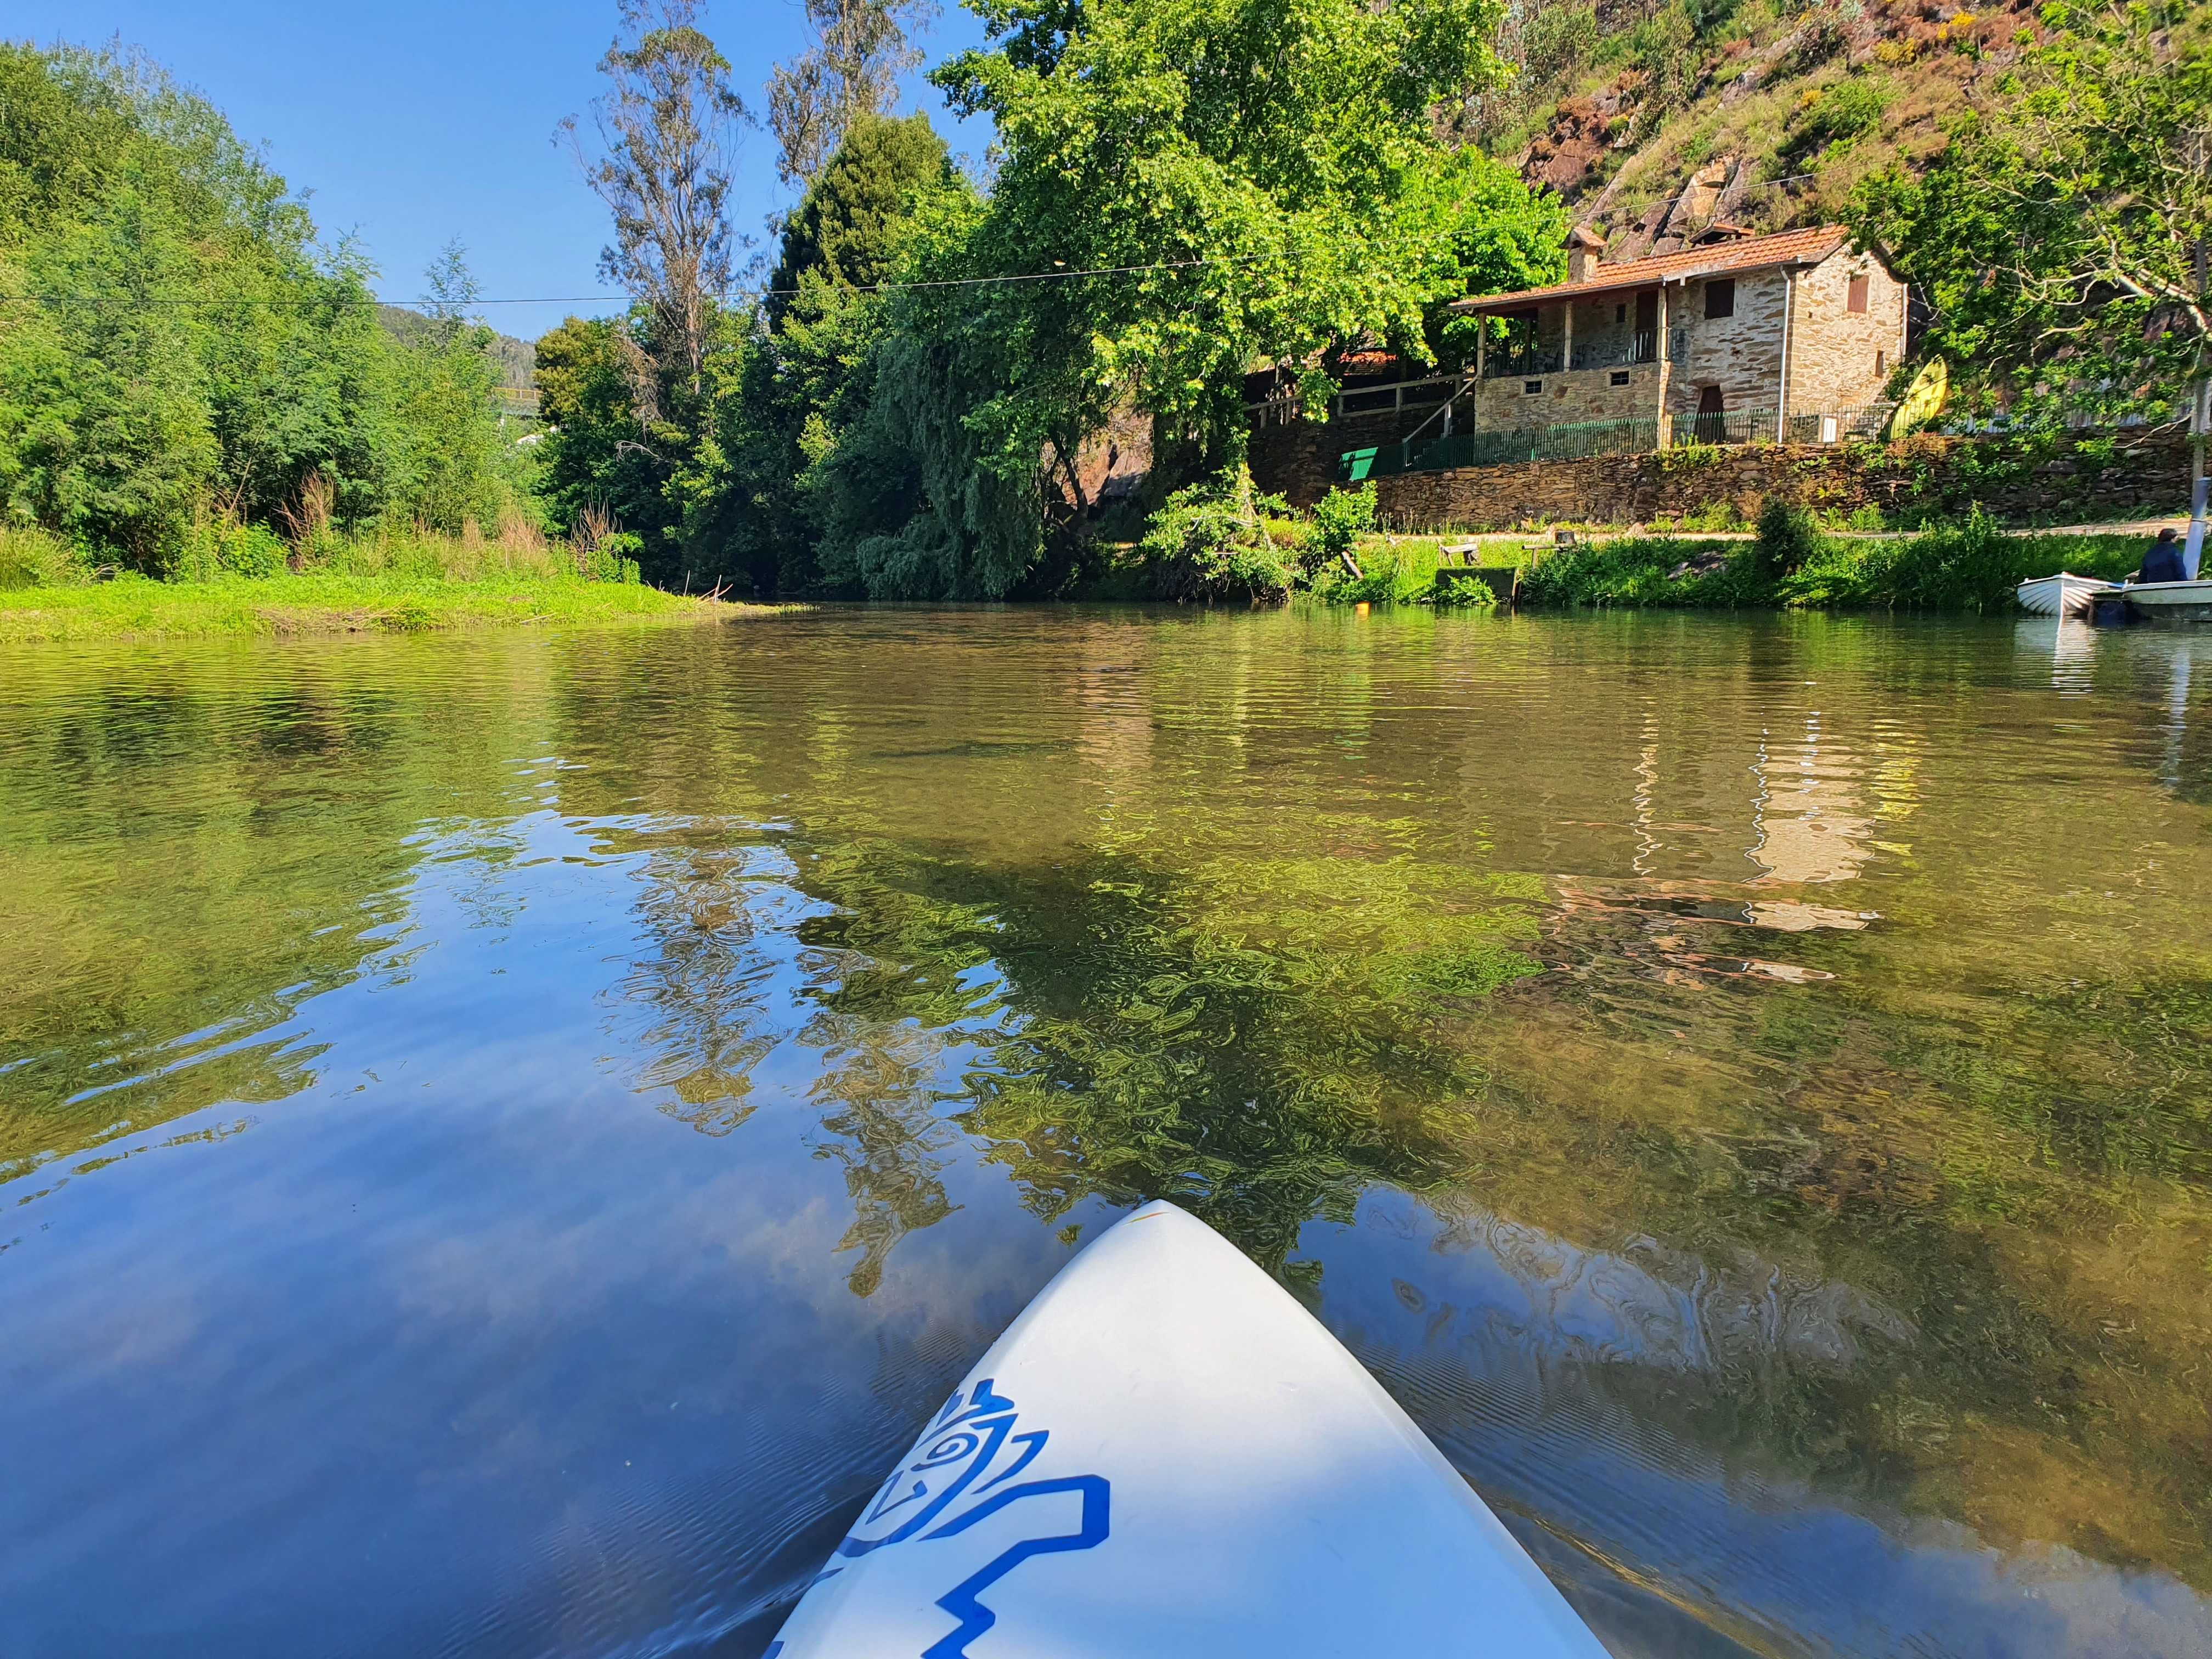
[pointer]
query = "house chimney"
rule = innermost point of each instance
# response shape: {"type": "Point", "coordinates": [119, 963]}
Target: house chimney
{"type": "Point", "coordinates": [1584, 247]}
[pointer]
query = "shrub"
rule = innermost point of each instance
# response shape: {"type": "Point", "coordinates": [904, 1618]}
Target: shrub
{"type": "Point", "coordinates": [29, 557]}
{"type": "Point", "coordinates": [1962, 566]}
{"type": "Point", "coordinates": [1206, 542]}
{"type": "Point", "coordinates": [613, 558]}
{"type": "Point", "coordinates": [1463, 595]}
{"type": "Point", "coordinates": [1837, 115]}
{"type": "Point", "coordinates": [215, 545]}
{"type": "Point", "coordinates": [1558, 43]}
{"type": "Point", "coordinates": [1788, 536]}
{"type": "Point", "coordinates": [1340, 519]}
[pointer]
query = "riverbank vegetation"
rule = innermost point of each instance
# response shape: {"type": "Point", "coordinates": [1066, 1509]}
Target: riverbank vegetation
{"type": "Point", "coordinates": [233, 579]}
{"type": "Point", "coordinates": [177, 343]}
{"type": "Point", "coordinates": [1791, 562]}
{"type": "Point", "coordinates": [968, 382]}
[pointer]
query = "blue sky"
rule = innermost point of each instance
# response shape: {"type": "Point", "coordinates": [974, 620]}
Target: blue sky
{"type": "Point", "coordinates": [409, 122]}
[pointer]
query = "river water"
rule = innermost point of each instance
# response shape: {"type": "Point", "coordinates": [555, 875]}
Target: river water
{"type": "Point", "coordinates": [503, 1139]}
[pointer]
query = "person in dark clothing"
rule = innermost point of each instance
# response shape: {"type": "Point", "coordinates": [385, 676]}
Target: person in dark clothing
{"type": "Point", "coordinates": [2163, 563]}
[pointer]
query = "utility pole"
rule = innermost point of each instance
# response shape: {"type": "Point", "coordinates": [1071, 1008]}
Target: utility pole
{"type": "Point", "coordinates": [2200, 417]}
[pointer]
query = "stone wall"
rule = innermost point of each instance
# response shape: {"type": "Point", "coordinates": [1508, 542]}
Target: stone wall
{"type": "Point", "coordinates": [1741, 354]}
{"type": "Point", "coordinates": [1923, 475]}
{"type": "Point", "coordinates": [1505, 405]}
{"type": "Point", "coordinates": [1841, 358]}
{"type": "Point", "coordinates": [1299, 459]}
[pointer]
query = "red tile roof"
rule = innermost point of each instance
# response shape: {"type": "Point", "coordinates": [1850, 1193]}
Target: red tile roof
{"type": "Point", "coordinates": [1789, 247]}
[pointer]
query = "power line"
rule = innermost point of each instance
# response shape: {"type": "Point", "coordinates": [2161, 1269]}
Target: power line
{"type": "Point", "coordinates": [432, 303]}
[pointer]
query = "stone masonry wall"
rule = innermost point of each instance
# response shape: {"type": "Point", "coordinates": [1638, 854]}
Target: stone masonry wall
{"type": "Point", "coordinates": [1505, 405]}
{"type": "Point", "coordinates": [1742, 355]}
{"type": "Point", "coordinates": [1922, 475]}
{"type": "Point", "coordinates": [1299, 459]}
{"type": "Point", "coordinates": [1841, 358]}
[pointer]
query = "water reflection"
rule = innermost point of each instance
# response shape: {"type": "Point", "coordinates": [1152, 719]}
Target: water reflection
{"type": "Point", "coordinates": [1745, 1085]}
{"type": "Point", "coordinates": [1807, 814]}
{"type": "Point", "coordinates": [1542, 1364]}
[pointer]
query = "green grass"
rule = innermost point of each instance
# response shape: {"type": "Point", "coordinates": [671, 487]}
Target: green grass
{"type": "Point", "coordinates": [1631, 573]}
{"type": "Point", "coordinates": [1397, 570]}
{"type": "Point", "coordinates": [319, 603]}
{"type": "Point", "coordinates": [233, 579]}
{"type": "Point", "coordinates": [1964, 565]}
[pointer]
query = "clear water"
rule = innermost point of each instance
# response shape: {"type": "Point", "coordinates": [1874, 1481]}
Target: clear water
{"type": "Point", "coordinates": [501, 1139]}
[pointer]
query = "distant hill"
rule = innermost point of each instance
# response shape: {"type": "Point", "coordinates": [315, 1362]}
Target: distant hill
{"type": "Point", "coordinates": [517, 359]}
{"type": "Point", "coordinates": [1654, 120]}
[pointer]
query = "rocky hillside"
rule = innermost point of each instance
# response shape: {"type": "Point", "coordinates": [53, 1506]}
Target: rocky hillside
{"type": "Point", "coordinates": [1653, 121]}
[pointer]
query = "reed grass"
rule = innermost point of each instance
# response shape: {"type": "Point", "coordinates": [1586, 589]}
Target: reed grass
{"type": "Point", "coordinates": [229, 579]}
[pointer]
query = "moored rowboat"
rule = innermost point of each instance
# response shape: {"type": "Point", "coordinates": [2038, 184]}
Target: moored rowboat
{"type": "Point", "coordinates": [2063, 595]}
{"type": "Point", "coordinates": [2176, 602]}
{"type": "Point", "coordinates": [1165, 1455]}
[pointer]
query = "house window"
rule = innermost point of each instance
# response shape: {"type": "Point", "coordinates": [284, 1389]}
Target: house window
{"type": "Point", "coordinates": [1720, 297]}
{"type": "Point", "coordinates": [1881, 364]}
{"type": "Point", "coordinates": [1620, 312]}
{"type": "Point", "coordinates": [1529, 388]}
{"type": "Point", "coordinates": [1619, 377]}
{"type": "Point", "coordinates": [1855, 299]}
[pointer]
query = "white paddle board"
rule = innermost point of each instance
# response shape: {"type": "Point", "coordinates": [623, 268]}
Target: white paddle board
{"type": "Point", "coordinates": [1166, 1456]}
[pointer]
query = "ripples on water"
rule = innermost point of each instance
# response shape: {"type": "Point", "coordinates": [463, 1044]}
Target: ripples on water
{"type": "Point", "coordinates": [501, 1138]}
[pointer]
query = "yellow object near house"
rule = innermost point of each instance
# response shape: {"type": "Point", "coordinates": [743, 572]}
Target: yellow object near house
{"type": "Point", "coordinates": [1923, 399]}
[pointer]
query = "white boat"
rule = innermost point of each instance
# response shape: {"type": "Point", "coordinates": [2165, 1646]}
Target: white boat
{"type": "Point", "coordinates": [1165, 1455]}
{"type": "Point", "coordinates": [2063, 595]}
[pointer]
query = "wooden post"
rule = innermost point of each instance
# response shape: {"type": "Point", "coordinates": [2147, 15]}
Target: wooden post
{"type": "Point", "coordinates": [1665, 427]}
{"type": "Point", "coordinates": [1567, 345]}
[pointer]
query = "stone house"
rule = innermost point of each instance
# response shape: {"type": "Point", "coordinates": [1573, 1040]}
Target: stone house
{"type": "Point", "coordinates": [1786, 336]}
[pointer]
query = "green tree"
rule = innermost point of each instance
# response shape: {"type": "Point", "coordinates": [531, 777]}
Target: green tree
{"type": "Point", "coordinates": [801, 380]}
{"type": "Point", "coordinates": [849, 74]}
{"type": "Point", "coordinates": [1186, 187]}
{"type": "Point", "coordinates": [174, 341]}
{"type": "Point", "coordinates": [601, 456]}
{"type": "Point", "coordinates": [2061, 236]}
{"type": "Point", "coordinates": [1266, 164]}
{"type": "Point", "coordinates": [447, 379]}
{"type": "Point", "coordinates": [668, 126]}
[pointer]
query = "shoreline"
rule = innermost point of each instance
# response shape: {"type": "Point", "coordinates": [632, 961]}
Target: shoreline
{"type": "Point", "coordinates": [292, 606]}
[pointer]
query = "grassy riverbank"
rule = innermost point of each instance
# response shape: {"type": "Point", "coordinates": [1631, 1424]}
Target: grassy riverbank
{"type": "Point", "coordinates": [322, 603]}
{"type": "Point", "coordinates": [1964, 567]}
{"type": "Point", "coordinates": [233, 582]}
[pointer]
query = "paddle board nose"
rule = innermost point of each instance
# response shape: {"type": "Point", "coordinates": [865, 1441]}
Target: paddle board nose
{"type": "Point", "coordinates": [1165, 1455]}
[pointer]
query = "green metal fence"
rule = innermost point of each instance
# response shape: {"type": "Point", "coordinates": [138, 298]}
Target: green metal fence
{"type": "Point", "coordinates": [1567, 441]}
{"type": "Point", "coordinates": [1574, 439]}
{"type": "Point", "coordinates": [1733, 425]}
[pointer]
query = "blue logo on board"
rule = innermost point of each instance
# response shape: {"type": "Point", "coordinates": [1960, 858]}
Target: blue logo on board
{"type": "Point", "coordinates": [963, 1472]}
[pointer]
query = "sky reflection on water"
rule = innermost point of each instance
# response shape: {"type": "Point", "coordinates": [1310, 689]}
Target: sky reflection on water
{"type": "Point", "coordinates": [508, 1136]}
